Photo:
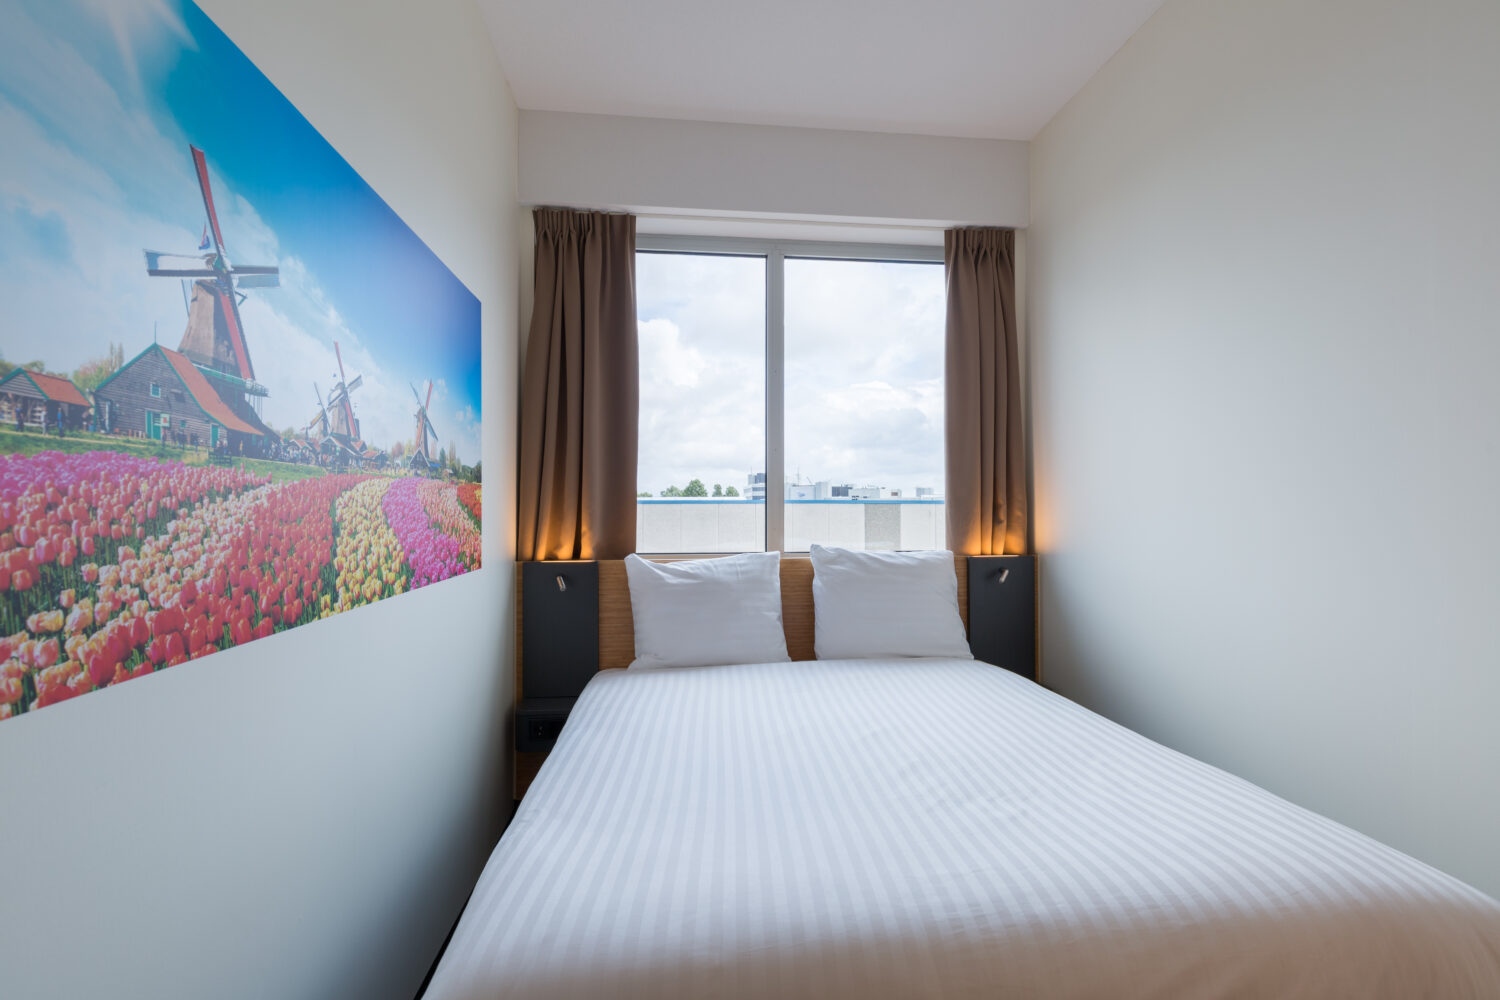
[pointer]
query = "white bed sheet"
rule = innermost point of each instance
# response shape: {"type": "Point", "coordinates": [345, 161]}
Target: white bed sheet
{"type": "Point", "coordinates": [930, 828]}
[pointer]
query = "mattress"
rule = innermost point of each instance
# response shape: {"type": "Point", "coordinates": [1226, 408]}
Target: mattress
{"type": "Point", "coordinates": [930, 828]}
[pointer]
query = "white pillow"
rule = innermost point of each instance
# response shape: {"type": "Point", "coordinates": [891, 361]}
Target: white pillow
{"type": "Point", "coordinates": [704, 612]}
{"type": "Point", "coordinates": [879, 604]}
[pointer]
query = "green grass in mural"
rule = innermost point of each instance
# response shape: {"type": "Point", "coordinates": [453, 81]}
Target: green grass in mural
{"type": "Point", "coordinates": [280, 472]}
{"type": "Point", "coordinates": [77, 443]}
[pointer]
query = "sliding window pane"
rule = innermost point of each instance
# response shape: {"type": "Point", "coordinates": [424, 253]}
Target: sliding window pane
{"type": "Point", "coordinates": [864, 404]}
{"type": "Point", "coordinates": [702, 323]}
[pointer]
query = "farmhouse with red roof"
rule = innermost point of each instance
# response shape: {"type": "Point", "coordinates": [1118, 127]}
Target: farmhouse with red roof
{"type": "Point", "coordinates": [39, 397]}
{"type": "Point", "coordinates": [161, 395]}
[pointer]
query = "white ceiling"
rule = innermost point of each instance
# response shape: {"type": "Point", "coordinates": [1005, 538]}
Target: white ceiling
{"type": "Point", "coordinates": [996, 69]}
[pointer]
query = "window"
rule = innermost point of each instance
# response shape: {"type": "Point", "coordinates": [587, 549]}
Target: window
{"type": "Point", "coordinates": [702, 322]}
{"type": "Point", "coordinates": [155, 390]}
{"type": "Point", "coordinates": [791, 393]}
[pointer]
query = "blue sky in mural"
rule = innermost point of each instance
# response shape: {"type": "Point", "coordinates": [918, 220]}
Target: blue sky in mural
{"type": "Point", "coordinates": [99, 101]}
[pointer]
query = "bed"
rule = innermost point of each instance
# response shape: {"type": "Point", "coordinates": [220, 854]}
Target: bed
{"type": "Point", "coordinates": [930, 828]}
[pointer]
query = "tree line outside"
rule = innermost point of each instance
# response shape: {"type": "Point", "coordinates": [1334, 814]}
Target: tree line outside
{"type": "Point", "coordinates": [695, 488]}
{"type": "Point", "coordinates": [88, 376]}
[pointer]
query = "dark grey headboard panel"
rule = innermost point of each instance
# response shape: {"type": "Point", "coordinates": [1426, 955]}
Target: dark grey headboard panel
{"type": "Point", "coordinates": [1002, 612]}
{"type": "Point", "coordinates": [559, 627]}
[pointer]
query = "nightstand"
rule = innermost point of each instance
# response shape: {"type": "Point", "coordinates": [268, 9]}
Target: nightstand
{"type": "Point", "coordinates": [557, 652]}
{"type": "Point", "coordinates": [538, 723]}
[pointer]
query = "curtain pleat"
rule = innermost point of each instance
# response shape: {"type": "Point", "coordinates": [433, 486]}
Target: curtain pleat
{"type": "Point", "coordinates": [986, 459]}
{"type": "Point", "coordinates": [580, 391]}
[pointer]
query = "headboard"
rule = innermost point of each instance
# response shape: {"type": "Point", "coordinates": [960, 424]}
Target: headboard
{"type": "Point", "coordinates": [586, 626]}
{"type": "Point", "coordinates": [617, 628]}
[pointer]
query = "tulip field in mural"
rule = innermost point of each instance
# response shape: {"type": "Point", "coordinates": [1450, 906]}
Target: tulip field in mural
{"type": "Point", "coordinates": [114, 566]}
{"type": "Point", "coordinates": [238, 394]}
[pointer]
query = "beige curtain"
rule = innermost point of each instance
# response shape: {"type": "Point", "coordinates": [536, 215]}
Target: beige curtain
{"type": "Point", "coordinates": [986, 501]}
{"type": "Point", "coordinates": [579, 393]}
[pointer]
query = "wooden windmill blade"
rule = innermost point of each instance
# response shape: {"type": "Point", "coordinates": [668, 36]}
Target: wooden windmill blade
{"type": "Point", "coordinates": [344, 389]}
{"type": "Point", "coordinates": [154, 266]}
{"type": "Point", "coordinates": [224, 286]}
{"type": "Point", "coordinates": [200, 167]}
{"type": "Point", "coordinates": [419, 439]}
{"type": "Point", "coordinates": [322, 417]}
{"type": "Point", "coordinates": [426, 432]}
{"type": "Point", "coordinates": [425, 420]}
{"type": "Point", "coordinates": [257, 277]}
{"type": "Point", "coordinates": [244, 277]}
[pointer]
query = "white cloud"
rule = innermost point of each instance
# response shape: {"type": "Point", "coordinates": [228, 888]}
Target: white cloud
{"type": "Point", "coordinates": [126, 20]}
{"type": "Point", "coordinates": [65, 311]}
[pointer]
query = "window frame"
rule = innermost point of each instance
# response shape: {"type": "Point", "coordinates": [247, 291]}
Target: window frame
{"type": "Point", "coordinates": [775, 253]}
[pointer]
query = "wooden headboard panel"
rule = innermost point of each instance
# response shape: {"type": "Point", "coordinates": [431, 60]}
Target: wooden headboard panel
{"type": "Point", "coordinates": [617, 628]}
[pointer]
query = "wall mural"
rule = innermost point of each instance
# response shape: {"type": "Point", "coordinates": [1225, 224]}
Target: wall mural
{"type": "Point", "coordinates": [237, 393]}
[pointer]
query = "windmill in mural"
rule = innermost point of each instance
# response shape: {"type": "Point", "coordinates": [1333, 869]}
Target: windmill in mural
{"type": "Point", "coordinates": [336, 426]}
{"type": "Point", "coordinates": [340, 408]}
{"type": "Point", "coordinates": [214, 340]}
{"type": "Point", "coordinates": [426, 435]}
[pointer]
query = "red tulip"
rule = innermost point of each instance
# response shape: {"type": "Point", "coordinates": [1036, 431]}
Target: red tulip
{"type": "Point", "coordinates": [116, 645]}
{"type": "Point", "coordinates": [167, 621]}
{"type": "Point", "coordinates": [99, 670]}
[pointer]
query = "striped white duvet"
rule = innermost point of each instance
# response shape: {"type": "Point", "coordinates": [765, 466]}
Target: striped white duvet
{"type": "Point", "coordinates": [930, 828]}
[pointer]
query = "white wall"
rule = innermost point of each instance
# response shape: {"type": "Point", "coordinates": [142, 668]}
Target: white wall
{"type": "Point", "coordinates": [1263, 259]}
{"type": "Point", "coordinates": [303, 816]}
{"type": "Point", "coordinates": [664, 165]}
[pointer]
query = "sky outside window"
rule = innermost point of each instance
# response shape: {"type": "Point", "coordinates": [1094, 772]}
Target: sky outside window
{"type": "Point", "coordinates": [702, 324]}
{"type": "Point", "coordinates": [864, 374]}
